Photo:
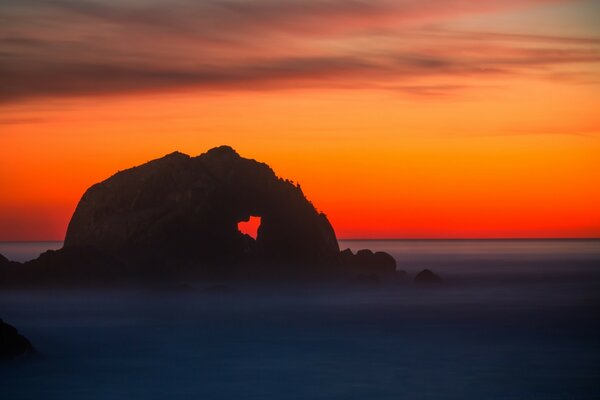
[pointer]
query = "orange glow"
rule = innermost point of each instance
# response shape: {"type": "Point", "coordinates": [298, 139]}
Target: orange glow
{"type": "Point", "coordinates": [377, 165]}
{"type": "Point", "coordinates": [454, 136]}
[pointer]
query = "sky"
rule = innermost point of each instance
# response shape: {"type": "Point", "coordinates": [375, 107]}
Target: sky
{"type": "Point", "coordinates": [400, 119]}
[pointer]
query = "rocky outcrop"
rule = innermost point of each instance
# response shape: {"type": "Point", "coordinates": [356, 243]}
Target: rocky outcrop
{"type": "Point", "coordinates": [427, 277]}
{"type": "Point", "coordinates": [12, 344]}
{"type": "Point", "coordinates": [84, 265]}
{"type": "Point", "coordinates": [177, 217]}
{"type": "Point", "coordinates": [366, 262]}
{"type": "Point", "coordinates": [7, 269]}
{"type": "Point", "coordinates": [191, 206]}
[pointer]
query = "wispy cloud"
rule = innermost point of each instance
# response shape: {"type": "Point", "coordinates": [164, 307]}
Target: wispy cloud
{"type": "Point", "coordinates": [57, 48]}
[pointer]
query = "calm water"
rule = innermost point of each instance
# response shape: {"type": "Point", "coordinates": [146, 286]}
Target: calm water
{"type": "Point", "coordinates": [515, 320]}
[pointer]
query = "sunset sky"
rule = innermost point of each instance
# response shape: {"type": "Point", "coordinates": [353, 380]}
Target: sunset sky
{"type": "Point", "coordinates": [400, 119]}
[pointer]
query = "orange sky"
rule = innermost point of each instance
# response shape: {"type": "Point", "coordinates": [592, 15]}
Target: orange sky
{"type": "Point", "coordinates": [397, 122]}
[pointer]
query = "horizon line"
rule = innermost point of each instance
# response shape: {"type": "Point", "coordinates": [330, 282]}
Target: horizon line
{"type": "Point", "coordinates": [380, 239]}
{"type": "Point", "coordinates": [474, 238]}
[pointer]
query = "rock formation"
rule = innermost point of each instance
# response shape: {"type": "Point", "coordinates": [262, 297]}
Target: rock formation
{"type": "Point", "coordinates": [12, 344]}
{"type": "Point", "coordinates": [177, 216]}
{"type": "Point", "coordinates": [369, 267]}
{"type": "Point", "coordinates": [366, 261]}
{"type": "Point", "coordinates": [184, 210]}
{"type": "Point", "coordinates": [427, 277]}
{"type": "Point", "coordinates": [6, 269]}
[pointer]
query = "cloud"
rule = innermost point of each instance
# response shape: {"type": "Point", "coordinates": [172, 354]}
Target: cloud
{"type": "Point", "coordinates": [55, 48]}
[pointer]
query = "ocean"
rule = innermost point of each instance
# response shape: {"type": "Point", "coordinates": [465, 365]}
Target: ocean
{"type": "Point", "coordinates": [514, 319]}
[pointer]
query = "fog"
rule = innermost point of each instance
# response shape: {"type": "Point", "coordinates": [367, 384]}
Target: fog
{"type": "Point", "coordinates": [475, 336]}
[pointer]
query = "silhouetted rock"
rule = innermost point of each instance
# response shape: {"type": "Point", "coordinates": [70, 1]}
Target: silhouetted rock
{"type": "Point", "coordinates": [181, 212]}
{"type": "Point", "coordinates": [69, 266]}
{"type": "Point", "coordinates": [401, 274]}
{"type": "Point", "coordinates": [12, 344]}
{"type": "Point", "coordinates": [175, 219]}
{"type": "Point", "coordinates": [365, 260]}
{"type": "Point", "coordinates": [7, 270]}
{"type": "Point", "coordinates": [347, 256]}
{"type": "Point", "coordinates": [427, 277]}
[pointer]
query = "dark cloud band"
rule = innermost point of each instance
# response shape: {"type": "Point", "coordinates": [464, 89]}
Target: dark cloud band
{"type": "Point", "coordinates": [63, 48]}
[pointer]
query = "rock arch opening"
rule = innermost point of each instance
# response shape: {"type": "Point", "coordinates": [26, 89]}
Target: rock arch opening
{"type": "Point", "coordinates": [250, 226]}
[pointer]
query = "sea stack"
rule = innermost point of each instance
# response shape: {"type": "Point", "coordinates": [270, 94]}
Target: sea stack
{"type": "Point", "coordinates": [177, 218]}
{"type": "Point", "coordinates": [185, 210]}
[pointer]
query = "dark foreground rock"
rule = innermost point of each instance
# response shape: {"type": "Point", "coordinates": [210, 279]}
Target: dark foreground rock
{"type": "Point", "coordinates": [12, 344]}
{"type": "Point", "coordinates": [427, 277]}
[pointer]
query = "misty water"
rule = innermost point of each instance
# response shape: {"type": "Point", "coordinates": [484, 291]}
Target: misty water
{"type": "Point", "coordinates": [513, 320]}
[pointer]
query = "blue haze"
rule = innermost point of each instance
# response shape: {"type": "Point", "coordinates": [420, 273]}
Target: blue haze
{"type": "Point", "coordinates": [514, 320]}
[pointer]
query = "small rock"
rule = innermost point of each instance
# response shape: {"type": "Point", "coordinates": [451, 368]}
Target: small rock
{"type": "Point", "coordinates": [366, 261]}
{"type": "Point", "coordinates": [427, 277]}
